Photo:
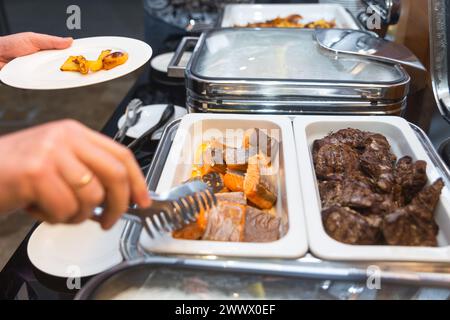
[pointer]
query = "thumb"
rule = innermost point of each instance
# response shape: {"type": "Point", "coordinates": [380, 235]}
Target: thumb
{"type": "Point", "coordinates": [45, 42]}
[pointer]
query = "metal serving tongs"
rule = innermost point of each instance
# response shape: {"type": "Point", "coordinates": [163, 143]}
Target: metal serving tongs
{"type": "Point", "coordinates": [172, 210]}
{"type": "Point", "coordinates": [365, 44]}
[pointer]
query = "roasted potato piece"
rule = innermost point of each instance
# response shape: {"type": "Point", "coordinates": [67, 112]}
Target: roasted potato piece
{"type": "Point", "coordinates": [97, 65]}
{"type": "Point", "coordinates": [70, 64]}
{"type": "Point", "coordinates": [82, 64]}
{"type": "Point", "coordinates": [114, 59]}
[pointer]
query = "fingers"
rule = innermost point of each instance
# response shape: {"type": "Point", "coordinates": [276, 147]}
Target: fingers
{"type": "Point", "coordinates": [90, 195]}
{"type": "Point", "coordinates": [55, 201]}
{"type": "Point", "coordinates": [114, 177]}
{"type": "Point", "coordinates": [46, 42]}
{"type": "Point", "coordinates": [139, 191]}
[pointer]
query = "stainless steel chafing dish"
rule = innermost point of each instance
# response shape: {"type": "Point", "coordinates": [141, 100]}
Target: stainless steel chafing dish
{"type": "Point", "coordinates": [285, 71]}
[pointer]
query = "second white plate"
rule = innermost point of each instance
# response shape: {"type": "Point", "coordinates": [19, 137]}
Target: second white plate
{"type": "Point", "coordinates": [75, 250]}
{"type": "Point", "coordinates": [149, 117]}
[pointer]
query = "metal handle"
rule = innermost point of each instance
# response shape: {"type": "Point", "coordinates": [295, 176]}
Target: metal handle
{"type": "Point", "coordinates": [174, 70]}
{"type": "Point", "coordinates": [438, 162]}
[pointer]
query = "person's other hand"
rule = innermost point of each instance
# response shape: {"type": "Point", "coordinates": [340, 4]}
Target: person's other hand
{"type": "Point", "coordinates": [25, 43]}
{"type": "Point", "coordinates": [61, 171]}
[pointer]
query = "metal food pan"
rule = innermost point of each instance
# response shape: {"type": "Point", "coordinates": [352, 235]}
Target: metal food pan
{"type": "Point", "coordinates": [309, 266]}
{"type": "Point", "coordinates": [241, 14]}
{"type": "Point", "coordinates": [196, 129]}
{"type": "Point", "coordinates": [403, 142]}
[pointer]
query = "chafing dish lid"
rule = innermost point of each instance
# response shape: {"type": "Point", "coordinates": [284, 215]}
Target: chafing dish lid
{"type": "Point", "coordinates": [283, 54]}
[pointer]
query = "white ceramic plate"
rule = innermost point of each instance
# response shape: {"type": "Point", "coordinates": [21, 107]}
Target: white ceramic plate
{"type": "Point", "coordinates": [242, 14]}
{"type": "Point", "coordinates": [149, 117]}
{"type": "Point", "coordinates": [40, 71]}
{"type": "Point", "coordinates": [196, 128]}
{"type": "Point", "coordinates": [403, 142]}
{"type": "Point", "coordinates": [65, 250]}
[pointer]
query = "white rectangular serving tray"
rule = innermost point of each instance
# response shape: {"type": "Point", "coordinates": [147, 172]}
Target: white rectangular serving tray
{"type": "Point", "coordinates": [242, 14]}
{"type": "Point", "coordinates": [176, 170]}
{"type": "Point", "coordinates": [403, 141]}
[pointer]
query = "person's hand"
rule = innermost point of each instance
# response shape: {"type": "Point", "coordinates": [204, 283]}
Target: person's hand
{"type": "Point", "coordinates": [22, 44]}
{"type": "Point", "coordinates": [61, 171]}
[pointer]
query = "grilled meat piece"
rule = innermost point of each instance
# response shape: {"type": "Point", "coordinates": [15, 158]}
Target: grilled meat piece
{"type": "Point", "coordinates": [346, 225]}
{"type": "Point", "coordinates": [382, 205]}
{"type": "Point", "coordinates": [410, 178]}
{"type": "Point", "coordinates": [256, 141]}
{"type": "Point", "coordinates": [352, 137]}
{"type": "Point", "coordinates": [403, 228]}
{"type": "Point", "coordinates": [424, 203]}
{"type": "Point", "coordinates": [237, 158]}
{"type": "Point", "coordinates": [225, 222]}
{"type": "Point", "coordinates": [236, 197]}
{"type": "Point", "coordinates": [234, 180]}
{"type": "Point", "coordinates": [366, 195]}
{"type": "Point", "coordinates": [260, 226]}
{"type": "Point", "coordinates": [260, 185]}
{"type": "Point", "coordinates": [378, 161]}
{"type": "Point", "coordinates": [414, 225]}
{"type": "Point", "coordinates": [335, 161]}
{"type": "Point", "coordinates": [347, 193]}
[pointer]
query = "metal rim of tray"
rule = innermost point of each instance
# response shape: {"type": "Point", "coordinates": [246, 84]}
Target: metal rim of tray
{"type": "Point", "coordinates": [415, 273]}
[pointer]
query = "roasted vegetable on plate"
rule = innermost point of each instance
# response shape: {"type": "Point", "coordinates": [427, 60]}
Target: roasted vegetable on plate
{"type": "Point", "coordinates": [105, 61]}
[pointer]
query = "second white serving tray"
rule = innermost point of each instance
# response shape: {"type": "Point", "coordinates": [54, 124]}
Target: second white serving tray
{"type": "Point", "coordinates": [403, 142]}
{"type": "Point", "coordinates": [242, 14]}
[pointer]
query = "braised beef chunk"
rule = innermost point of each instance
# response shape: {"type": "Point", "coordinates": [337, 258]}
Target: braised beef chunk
{"type": "Point", "coordinates": [410, 178]}
{"type": "Point", "coordinates": [260, 226]}
{"type": "Point", "coordinates": [346, 225]}
{"type": "Point", "coordinates": [349, 192]}
{"type": "Point", "coordinates": [352, 137]}
{"type": "Point", "coordinates": [382, 204]}
{"type": "Point", "coordinates": [368, 197]}
{"type": "Point", "coordinates": [414, 224]}
{"type": "Point", "coordinates": [401, 228]}
{"type": "Point", "coordinates": [424, 203]}
{"type": "Point", "coordinates": [335, 161]}
{"type": "Point", "coordinates": [378, 161]}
